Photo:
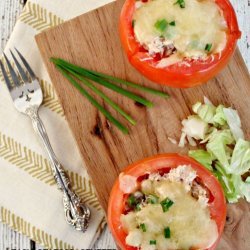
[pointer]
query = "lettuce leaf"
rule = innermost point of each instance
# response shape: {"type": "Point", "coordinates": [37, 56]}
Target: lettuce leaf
{"type": "Point", "coordinates": [242, 187]}
{"type": "Point", "coordinates": [203, 157]}
{"type": "Point", "coordinates": [195, 127]}
{"type": "Point", "coordinates": [217, 146]}
{"type": "Point", "coordinates": [234, 123]}
{"type": "Point", "coordinates": [210, 114]}
{"type": "Point", "coordinates": [240, 161]}
{"type": "Point", "coordinates": [219, 117]}
{"type": "Point", "coordinates": [205, 111]}
{"type": "Point", "coordinates": [228, 183]}
{"type": "Point", "coordinates": [245, 189]}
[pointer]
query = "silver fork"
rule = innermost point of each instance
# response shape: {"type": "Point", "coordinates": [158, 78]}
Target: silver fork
{"type": "Point", "coordinates": [27, 96]}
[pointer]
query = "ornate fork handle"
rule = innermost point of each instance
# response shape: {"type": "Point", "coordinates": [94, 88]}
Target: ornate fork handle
{"type": "Point", "coordinates": [76, 213]}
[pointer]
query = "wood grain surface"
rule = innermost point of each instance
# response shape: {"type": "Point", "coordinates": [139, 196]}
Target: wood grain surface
{"type": "Point", "coordinates": [9, 11]}
{"type": "Point", "coordinates": [92, 41]}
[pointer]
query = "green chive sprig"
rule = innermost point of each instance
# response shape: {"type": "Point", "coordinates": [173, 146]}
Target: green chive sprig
{"type": "Point", "coordinates": [172, 23]}
{"type": "Point", "coordinates": [167, 233]}
{"type": "Point", "coordinates": [208, 47]}
{"type": "Point", "coordinates": [166, 204]}
{"type": "Point", "coordinates": [87, 77]}
{"type": "Point", "coordinates": [161, 25]}
{"type": "Point", "coordinates": [181, 3]}
{"type": "Point", "coordinates": [143, 227]}
{"type": "Point", "coordinates": [112, 86]}
{"type": "Point", "coordinates": [93, 101]}
{"type": "Point", "coordinates": [101, 94]}
{"type": "Point", "coordinates": [152, 242]}
{"type": "Point", "coordinates": [131, 200]}
{"type": "Point", "coordinates": [138, 207]}
{"type": "Point", "coordinates": [113, 79]}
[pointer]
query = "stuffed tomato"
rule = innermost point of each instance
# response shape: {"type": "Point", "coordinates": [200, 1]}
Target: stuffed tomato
{"type": "Point", "coordinates": [180, 43]}
{"type": "Point", "coordinates": [166, 202]}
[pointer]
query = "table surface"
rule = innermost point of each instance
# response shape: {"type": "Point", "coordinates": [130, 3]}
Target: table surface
{"type": "Point", "coordinates": [9, 11]}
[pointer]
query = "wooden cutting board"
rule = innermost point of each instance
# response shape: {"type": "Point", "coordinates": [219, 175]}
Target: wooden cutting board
{"type": "Point", "coordinates": [92, 40]}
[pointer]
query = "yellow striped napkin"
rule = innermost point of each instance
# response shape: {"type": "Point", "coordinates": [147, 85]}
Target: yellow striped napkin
{"type": "Point", "coordinates": [29, 200]}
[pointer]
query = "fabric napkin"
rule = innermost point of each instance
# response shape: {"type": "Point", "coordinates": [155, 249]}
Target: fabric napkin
{"type": "Point", "coordinates": [29, 199]}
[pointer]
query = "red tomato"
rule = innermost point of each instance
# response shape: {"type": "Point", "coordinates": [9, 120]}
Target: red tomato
{"type": "Point", "coordinates": [161, 163]}
{"type": "Point", "coordinates": [178, 75]}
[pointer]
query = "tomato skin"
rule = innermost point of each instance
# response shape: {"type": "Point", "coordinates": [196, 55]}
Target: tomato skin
{"type": "Point", "coordinates": [154, 164]}
{"type": "Point", "coordinates": [178, 75]}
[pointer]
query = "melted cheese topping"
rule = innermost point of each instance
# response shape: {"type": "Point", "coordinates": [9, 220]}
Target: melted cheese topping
{"type": "Point", "coordinates": [188, 220]}
{"type": "Point", "coordinates": [199, 24]}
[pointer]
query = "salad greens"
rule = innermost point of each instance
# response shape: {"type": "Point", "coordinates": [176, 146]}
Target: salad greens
{"type": "Point", "coordinates": [223, 149]}
{"type": "Point", "coordinates": [205, 158]}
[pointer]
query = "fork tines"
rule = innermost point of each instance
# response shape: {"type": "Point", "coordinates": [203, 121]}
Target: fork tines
{"type": "Point", "coordinates": [15, 79]}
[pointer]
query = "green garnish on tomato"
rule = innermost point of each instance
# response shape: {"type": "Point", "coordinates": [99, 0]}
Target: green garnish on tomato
{"type": "Point", "coordinates": [161, 25]}
{"type": "Point", "coordinates": [152, 242]}
{"type": "Point", "coordinates": [208, 47]}
{"type": "Point", "coordinates": [172, 23]}
{"type": "Point", "coordinates": [138, 207]}
{"type": "Point", "coordinates": [181, 3]}
{"type": "Point", "coordinates": [167, 233]}
{"type": "Point", "coordinates": [166, 204]}
{"type": "Point", "coordinates": [131, 201]}
{"type": "Point", "coordinates": [143, 227]}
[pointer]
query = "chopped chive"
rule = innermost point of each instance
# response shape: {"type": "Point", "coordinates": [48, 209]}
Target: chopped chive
{"type": "Point", "coordinates": [133, 23]}
{"type": "Point", "coordinates": [153, 199]}
{"type": "Point", "coordinates": [101, 94]}
{"type": "Point", "coordinates": [108, 84]}
{"type": "Point", "coordinates": [143, 227]}
{"type": "Point", "coordinates": [131, 200]}
{"type": "Point", "coordinates": [166, 204]}
{"type": "Point", "coordinates": [208, 47]}
{"type": "Point", "coordinates": [138, 207]}
{"type": "Point", "coordinates": [93, 101]}
{"type": "Point", "coordinates": [161, 25]}
{"type": "Point", "coordinates": [81, 71]}
{"type": "Point", "coordinates": [167, 233]}
{"type": "Point", "coordinates": [172, 23]}
{"type": "Point", "coordinates": [181, 3]}
{"type": "Point", "coordinates": [152, 242]}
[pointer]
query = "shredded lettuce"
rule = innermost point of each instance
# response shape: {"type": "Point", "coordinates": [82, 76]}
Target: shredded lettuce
{"type": "Point", "coordinates": [240, 161]}
{"type": "Point", "coordinates": [242, 187]}
{"type": "Point", "coordinates": [245, 189]}
{"type": "Point", "coordinates": [203, 157]}
{"type": "Point", "coordinates": [205, 111]}
{"type": "Point", "coordinates": [225, 152]}
{"type": "Point", "coordinates": [219, 117]}
{"type": "Point", "coordinates": [195, 127]}
{"type": "Point", "coordinates": [217, 146]}
{"type": "Point", "coordinates": [233, 121]}
{"type": "Point", "coordinates": [228, 183]}
{"type": "Point", "coordinates": [210, 114]}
